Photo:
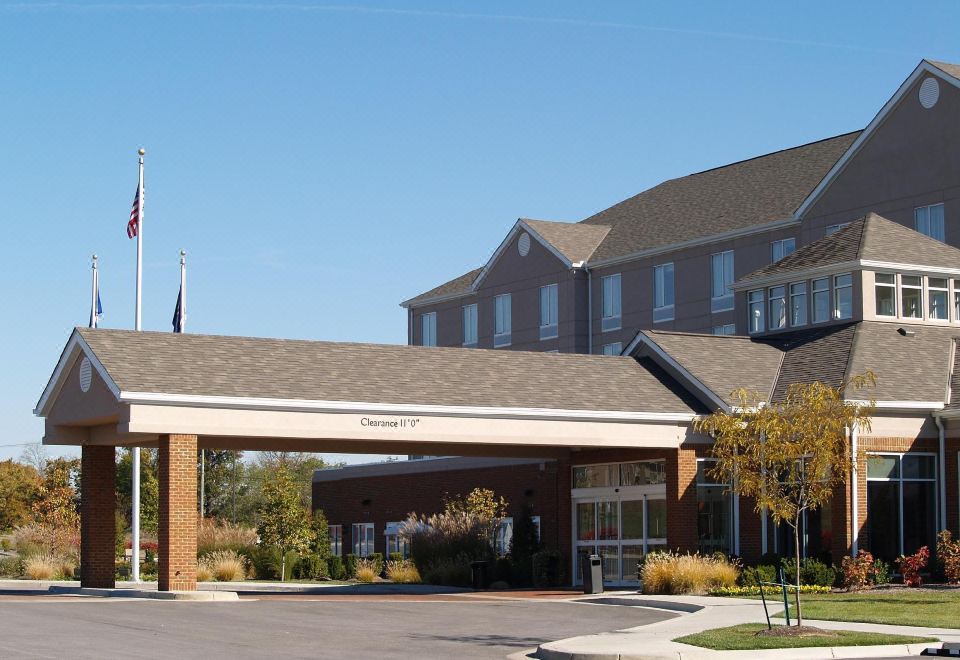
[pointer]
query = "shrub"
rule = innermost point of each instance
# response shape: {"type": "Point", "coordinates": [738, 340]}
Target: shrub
{"type": "Point", "coordinates": [450, 571]}
{"type": "Point", "coordinates": [37, 538]}
{"type": "Point", "coordinates": [858, 572]}
{"type": "Point", "coordinates": [377, 559]}
{"type": "Point", "coordinates": [755, 590]}
{"type": "Point", "coordinates": [546, 567]}
{"type": "Point", "coordinates": [911, 565]}
{"type": "Point", "coordinates": [366, 570]}
{"type": "Point", "coordinates": [11, 567]}
{"type": "Point", "coordinates": [335, 568]}
{"type": "Point", "coordinates": [812, 572]}
{"type": "Point", "coordinates": [403, 572]}
{"type": "Point", "coordinates": [5, 544]}
{"type": "Point", "coordinates": [396, 556]}
{"type": "Point", "coordinates": [350, 567]}
{"type": "Point", "coordinates": [882, 573]}
{"type": "Point", "coordinates": [226, 565]}
{"type": "Point", "coordinates": [669, 573]}
{"type": "Point", "coordinates": [311, 567]}
{"type": "Point", "coordinates": [266, 562]}
{"type": "Point", "coordinates": [948, 553]}
{"type": "Point", "coordinates": [213, 535]}
{"type": "Point", "coordinates": [754, 575]}
{"type": "Point", "coordinates": [42, 566]}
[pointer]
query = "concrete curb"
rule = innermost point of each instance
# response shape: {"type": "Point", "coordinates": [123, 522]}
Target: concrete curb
{"type": "Point", "coordinates": [810, 653]}
{"type": "Point", "coordinates": [205, 596]}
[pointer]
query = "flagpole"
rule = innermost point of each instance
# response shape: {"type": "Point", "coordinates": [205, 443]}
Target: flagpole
{"type": "Point", "coordinates": [135, 485]}
{"type": "Point", "coordinates": [183, 328]}
{"type": "Point", "coordinates": [94, 285]}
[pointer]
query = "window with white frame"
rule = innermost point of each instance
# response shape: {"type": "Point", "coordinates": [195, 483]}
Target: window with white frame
{"type": "Point", "coordinates": [395, 542]}
{"type": "Point", "coordinates": [428, 329]}
{"type": "Point", "coordinates": [335, 533]}
{"type": "Point", "coordinates": [721, 281]}
{"type": "Point", "coordinates": [956, 300]}
{"type": "Point", "coordinates": [833, 229]}
{"type": "Point", "coordinates": [929, 220]}
{"type": "Point", "coordinates": [663, 292]}
{"type": "Point", "coordinates": [755, 311]}
{"type": "Point", "coordinates": [902, 507]}
{"type": "Point", "coordinates": [714, 510]}
{"type": "Point", "coordinates": [778, 307]}
{"type": "Point", "coordinates": [885, 285]}
{"type": "Point", "coordinates": [470, 325]}
{"type": "Point", "coordinates": [821, 299]}
{"type": "Point", "coordinates": [502, 323]}
{"type": "Point", "coordinates": [549, 299]}
{"type": "Point", "coordinates": [798, 304]}
{"type": "Point", "coordinates": [362, 537]}
{"type": "Point", "coordinates": [613, 348]}
{"type": "Point", "coordinates": [780, 249]}
{"type": "Point", "coordinates": [911, 296]}
{"type": "Point", "coordinates": [610, 302]}
{"type": "Point", "coordinates": [937, 296]}
{"type": "Point", "coordinates": [725, 329]}
{"type": "Point", "coordinates": [504, 537]}
{"type": "Point", "coordinates": [843, 296]}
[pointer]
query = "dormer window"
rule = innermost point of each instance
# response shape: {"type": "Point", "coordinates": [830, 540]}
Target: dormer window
{"type": "Point", "coordinates": [937, 298]}
{"type": "Point", "coordinates": [911, 296]}
{"type": "Point", "coordinates": [886, 294]}
{"type": "Point", "coordinates": [778, 307]}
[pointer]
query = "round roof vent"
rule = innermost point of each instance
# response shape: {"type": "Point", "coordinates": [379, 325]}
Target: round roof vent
{"type": "Point", "coordinates": [523, 245]}
{"type": "Point", "coordinates": [929, 93]}
{"type": "Point", "coordinates": [86, 375]}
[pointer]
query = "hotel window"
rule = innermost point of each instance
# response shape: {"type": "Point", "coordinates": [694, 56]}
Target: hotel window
{"type": "Point", "coordinates": [428, 329]}
{"type": "Point", "coordinates": [929, 220]}
{"type": "Point", "coordinates": [721, 279]}
{"type": "Point", "coordinates": [937, 295]}
{"type": "Point", "coordinates": [725, 329]}
{"type": "Point", "coordinates": [843, 296]}
{"type": "Point", "coordinates": [336, 539]}
{"type": "Point", "coordinates": [610, 302]}
{"type": "Point", "coordinates": [833, 229]}
{"type": "Point", "coordinates": [501, 320]}
{"type": "Point", "coordinates": [798, 304]}
{"type": "Point", "coordinates": [778, 307]}
{"type": "Point", "coordinates": [911, 296]}
{"type": "Point", "coordinates": [663, 293]}
{"type": "Point", "coordinates": [548, 311]}
{"type": "Point", "coordinates": [470, 325]}
{"type": "Point", "coordinates": [956, 300]}
{"type": "Point", "coordinates": [504, 537]}
{"type": "Point", "coordinates": [612, 349]}
{"type": "Point", "coordinates": [714, 508]}
{"type": "Point", "coordinates": [821, 300]}
{"type": "Point", "coordinates": [362, 537]}
{"type": "Point", "coordinates": [394, 541]}
{"type": "Point", "coordinates": [901, 503]}
{"type": "Point", "coordinates": [886, 288]}
{"type": "Point", "coordinates": [755, 310]}
{"type": "Point", "coordinates": [782, 248]}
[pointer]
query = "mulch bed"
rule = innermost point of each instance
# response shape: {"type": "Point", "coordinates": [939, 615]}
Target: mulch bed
{"type": "Point", "coordinates": [796, 631]}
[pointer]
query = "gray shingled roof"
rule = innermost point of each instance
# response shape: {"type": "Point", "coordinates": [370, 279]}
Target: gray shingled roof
{"type": "Point", "coordinates": [744, 194]}
{"type": "Point", "coordinates": [872, 237]}
{"type": "Point", "coordinates": [576, 241]}
{"type": "Point", "coordinates": [814, 355]}
{"type": "Point", "coordinates": [207, 365]}
{"type": "Point", "coordinates": [456, 286]}
{"type": "Point", "coordinates": [947, 67]}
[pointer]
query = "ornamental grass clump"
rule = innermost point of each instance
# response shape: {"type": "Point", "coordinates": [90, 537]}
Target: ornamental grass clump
{"type": "Point", "coordinates": [671, 573]}
{"type": "Point", "coordinates": [403, 572]}
{"type": "Point", "coordinates": [42, 566]}
{"type": "Point", "coordinates": [366, 570]}
{"type": "Point", "coordinates": [213, 535]}
{"type": "Point", "coordinates": [226, 565]}
{"type": "Point", "coordinates": [204, 571]}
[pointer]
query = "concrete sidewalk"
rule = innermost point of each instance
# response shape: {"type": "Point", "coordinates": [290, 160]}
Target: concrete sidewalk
{"type": "Point", "coordinates": [653, 642]}
{"type": "Point", "coordinates": [246, 587]}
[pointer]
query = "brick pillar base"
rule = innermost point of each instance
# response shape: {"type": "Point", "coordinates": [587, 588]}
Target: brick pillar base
{"type": "Point", "coordinates": [177, 533]}
{"type": "Point", "coordinates": [98, 504]}
{"type": "Point", "coordinates": [681, 474]}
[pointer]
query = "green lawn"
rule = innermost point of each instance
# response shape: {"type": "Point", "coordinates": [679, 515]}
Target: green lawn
{"type": "Point", "coordinates": [933, 609]}
{"type": "Point", "coordinates": [744, 637]}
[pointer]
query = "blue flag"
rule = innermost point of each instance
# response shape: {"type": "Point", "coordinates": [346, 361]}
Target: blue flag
{"type": "Point", "coordinates": [178, 313]}
{"type": "Point", "coordinates": [95, 316]}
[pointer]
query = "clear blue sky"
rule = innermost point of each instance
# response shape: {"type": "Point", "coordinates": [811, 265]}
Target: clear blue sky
{"type": "Point", "coordinates": [322, 163]}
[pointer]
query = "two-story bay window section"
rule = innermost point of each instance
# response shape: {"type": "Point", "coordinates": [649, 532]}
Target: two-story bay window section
{"type": "Point", "coordinates": [911, 296]}
{"type": "Point", "coordinates": [755, 311]}
{"type": "Point", "coordinates": [798, 304]}
{"type": "Point", "coordinates": [778, 307]}
{"type": "Point", "coordinates": [549, 298]}
{"type": "Point", "coordinates": [721, 281]}
{"type": "Point", "coordinates": [663, 293]}
{"type": "Point", "coordinates": [428, 329]}
{"type": "Point", "coordinates": [821, 300]}
{"type": "Point", "coordinates": [885, 285]}
{"type": "Point", "coordinates": [929, 220]}
{"type": "Point", "coordinates": [610, 302]}
{"type": "Point", "coordinates": [502, 322]}
{"type": "Point", "coordinates": [780, 249]}
{"type": "Point", "coordinates": [956, 300]}
{"type": "Point", "coordinates": [470, 325]}
{"type": "Point", "coordinates": [614, 348]}
{"type": "Point", "coordinates": [937, 295]}
{"type": "Point", "coordinates": [843, 296]}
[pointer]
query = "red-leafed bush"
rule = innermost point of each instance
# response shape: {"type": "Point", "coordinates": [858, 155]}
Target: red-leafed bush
{"type": "Point", "coordinates": [911, 565]}
{"type": "Point", "coordinates": [948, 551]}
{"type": "Point", "coordinates": [857, 571]}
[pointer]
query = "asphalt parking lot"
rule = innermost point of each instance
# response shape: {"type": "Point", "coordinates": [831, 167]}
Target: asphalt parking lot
{"type": "Point", "coordinates": [298, 626]}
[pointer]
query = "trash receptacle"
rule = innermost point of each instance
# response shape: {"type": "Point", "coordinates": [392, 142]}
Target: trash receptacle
{"type": "Point", "coordinates": [592, 570]}
{"type": "Point", "coordinates": [478, 571]}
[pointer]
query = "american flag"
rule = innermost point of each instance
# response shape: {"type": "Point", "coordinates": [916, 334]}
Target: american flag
{"type": "Point", "coordinates": [134, 216]}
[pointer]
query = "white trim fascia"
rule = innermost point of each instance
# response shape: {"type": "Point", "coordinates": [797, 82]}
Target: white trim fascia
{"type": "Point", "coordinates": [666, 358]}
{"type": "Point", "coordinates": [931, 406]}
{"type": "Point", "coordinates": [705, 240]}
{"type": "Point", "coordinates": [951, 356]}
{"type": "Point", "coordinates": [794, 276]}
{"type": "Point", "coordinates": [302, 405]}
{"type": "Point", "coordinates": [853, 149]}
{"type": "Point", "coordinates": [67, 358]}
{"type": "Point", "coordinates": [916, 268]}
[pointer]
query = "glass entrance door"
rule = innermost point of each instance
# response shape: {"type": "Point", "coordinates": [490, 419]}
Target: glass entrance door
{"type": "Point", "coordinates": [620, 529]}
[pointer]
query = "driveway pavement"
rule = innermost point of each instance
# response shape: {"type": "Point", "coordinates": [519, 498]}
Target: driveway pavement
{"type": "Point", "coordinates": [300, 626]}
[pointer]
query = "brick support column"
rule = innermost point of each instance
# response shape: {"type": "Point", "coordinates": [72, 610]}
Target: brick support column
{"type": "Point", "coordinates": [177, 533]}
{"type": "Point", "coordinates": [98, 504]}
{"type": "Point", "coordinates": [681, 474]}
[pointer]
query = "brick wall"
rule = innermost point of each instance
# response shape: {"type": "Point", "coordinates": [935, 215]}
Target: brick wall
{"type": "Point", "coordinates": [177, 534]}
{"type": "Point", "coordinates": [98, 537]}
